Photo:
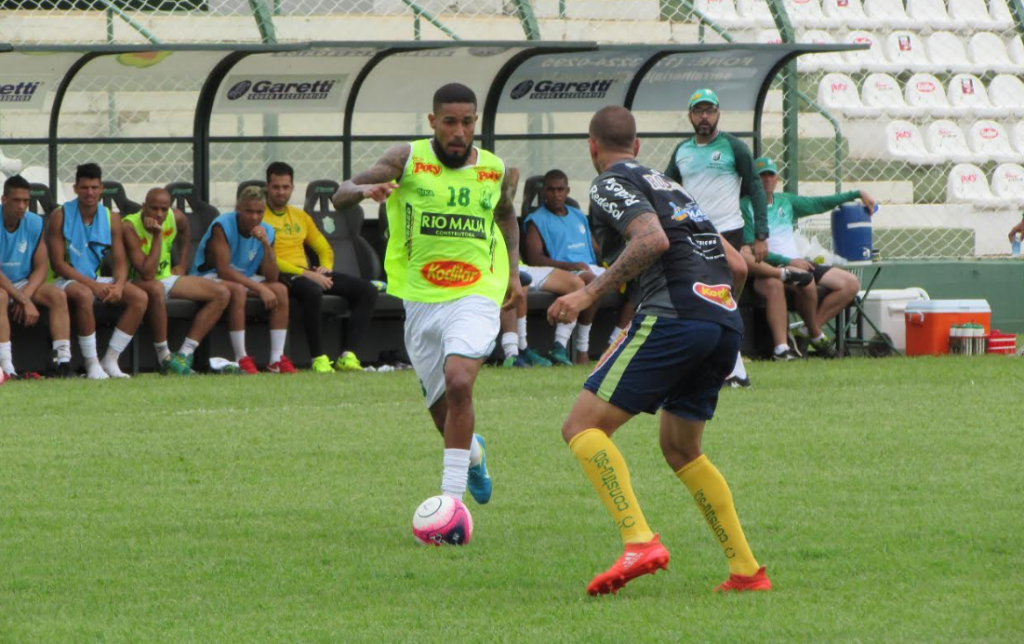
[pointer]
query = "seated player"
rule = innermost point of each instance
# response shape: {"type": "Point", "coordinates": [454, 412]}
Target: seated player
{"type": "Point", "coordinates": [558, 237]}
{"type": "Point", "coordinates": [238, 251]}
{"type": "Point", "coordinates": [784, 209]}
{"type": "Point", "coordinates": [79, 233]}
{"type": "Point", "coordinates": [23, 268]}
{"type": "Point", "coordinates": [294, 229]}
{"type": "Point", "coordinates": [149, 236]}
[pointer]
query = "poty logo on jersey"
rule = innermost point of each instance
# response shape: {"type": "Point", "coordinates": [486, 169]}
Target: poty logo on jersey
{"type": "Point", "coordinates": [552, 90]}
{"type": "Point", "coordinates": [488, 175]}
{"type": "Point", "coordinates": [19, 92]}
{"type": "Point", "coordinates": [267, 90]}
{"type": "Point", "coordinates": [450, 274]}
{"type": "Point", "coordinates": [719, 295]}
{"type": "Point", "coordinates": [419, 167]}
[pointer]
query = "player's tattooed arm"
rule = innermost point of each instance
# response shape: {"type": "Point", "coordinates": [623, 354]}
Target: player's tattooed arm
{"type": "Point", "coordinates": [505, 216]}
{"type": "Point", "coordinates": [376, 182]}
{"type": "Point", "coordinates": [645, 242]}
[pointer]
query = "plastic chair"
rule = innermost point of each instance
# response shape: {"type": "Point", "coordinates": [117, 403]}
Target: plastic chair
{"type": "Point", "coordinates": [905, 51]}
{"type": "Point", "coordinates": [903, 141]}
{"type": "Point", "coordinates": [815, 62]}
{"type": "Point", "coordinates": [887, 14]}
{"type": "Point", "coordinates": [881, 91]}
{"type": "Point", "coordinates": [1000, 13]}
{"type": "Point", "coordinates": [723, 12]}
{"type": "Point", "coordinates": [973, 13]}
{"type": "Point", "coordinates": [947, 139]}
{"type": "Point", "coordinates": [926, 91]}
{"type": "Point", "coordinates": [1007, 92]}
{"type": "Point", "coordinates": [1008, 183]}
{"type": "Point", "coordinates": [848, 13]}
{"type": "Point", "coordinates": [965, 90]}
{"type": "Point", "coordinates": [988, 51]}
{"type": "Point", "coordinates": [756, 10]}
{"type": "Point", "coordinates": [870, 59]}
{"type": "Point", "coordinates": [1017, 137]}
{"type": "Point", "coordinates": [807, 13]}
{"type": "Point", "coordinates": [989, 140]}
{"type": "Point", "coordinates": [115, 198]}
{"type": "Point", "coordinates": [967, 184]}
{"type": "Point", "coordinates": [931, 14]}
{"type": "Point", "coordinates": [947, 53]}
{"type": "Point", "coordinates": [838, 92]}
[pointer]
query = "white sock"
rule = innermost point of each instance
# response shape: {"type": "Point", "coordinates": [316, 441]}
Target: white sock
{"type": "Point", "coordinates": [277, 337]}
{"type": "Point", "coordinates": [188, 347]}
{"type": "Point", "coordinates": [456, 472]}
{"type": "Point", "coordinates": [739, 371]}
{"type": "Point", "coordinates": [562, 333]}
{"type": "Point", "coordinates": [510, 343]}
{"type": "Point", "coordinates": [162, 352]}
{"type": "Point", "coordinates": [781, 348]}
{"type": "Point", "coordinates": [475, 453]}
{"type": "Point", "coordinates": [5, 358]}
{"type": "Point", "coordinates": [238, 343]}
{"type": "Point", "coordinates": [616, 332]}
{"type": "Point", "coordinates": [87, 343]}
{"type": "Point", "coordinates": [819, 339]}
{"type": "Point", "coordinates": [583, 337]}
{"type": "Point", "coordinates": [118, 343]}
{"type": "Point", "coordinates": [63, 349]}
{"type": "Point", "coordinates": [521, 332]}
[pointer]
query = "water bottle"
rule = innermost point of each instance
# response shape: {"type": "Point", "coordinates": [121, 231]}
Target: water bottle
{"type": "Point", "coordinates": [1015, 246]}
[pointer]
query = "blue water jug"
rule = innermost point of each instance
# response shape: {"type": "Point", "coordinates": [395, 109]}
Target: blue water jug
{"type": "Point", "coordinates": [851, 232]}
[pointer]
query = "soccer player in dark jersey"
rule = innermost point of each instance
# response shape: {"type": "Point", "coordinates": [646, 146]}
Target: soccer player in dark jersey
{"type": "Point", "coordinates": [675, 356]}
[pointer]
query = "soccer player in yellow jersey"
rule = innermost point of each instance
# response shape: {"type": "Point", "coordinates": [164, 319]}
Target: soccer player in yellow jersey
{"type": "Point", "coordinates": [294, 229]}
{"type": "Point", "coordinates": [453, 257]}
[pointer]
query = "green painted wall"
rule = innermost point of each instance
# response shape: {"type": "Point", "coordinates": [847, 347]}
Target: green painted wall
{"type": "Point", "coordinates": [1001, 282]}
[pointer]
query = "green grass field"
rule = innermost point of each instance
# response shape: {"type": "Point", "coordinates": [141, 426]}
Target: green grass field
{"type": "Point", "coordinates": [886, 498]}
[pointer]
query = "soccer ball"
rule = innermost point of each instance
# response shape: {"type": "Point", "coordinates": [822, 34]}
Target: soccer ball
{"type": "Point", "coordinates": [442, 520]}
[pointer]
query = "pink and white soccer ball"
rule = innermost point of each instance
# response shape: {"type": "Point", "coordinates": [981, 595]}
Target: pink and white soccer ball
{"type": "Point", "coordinates": [442, 520]}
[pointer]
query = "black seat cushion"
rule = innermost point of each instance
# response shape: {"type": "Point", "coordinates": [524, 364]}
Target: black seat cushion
{"type": "Point", "coordinates": [40, 199]}
{"type": "Point", "coordinates": [115, 198]}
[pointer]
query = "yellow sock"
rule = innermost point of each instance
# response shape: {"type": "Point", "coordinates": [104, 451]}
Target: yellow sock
{"type": "Point", "coordinates": [714, 500]}
{"type": "Point", "coordinates": [606, 468]}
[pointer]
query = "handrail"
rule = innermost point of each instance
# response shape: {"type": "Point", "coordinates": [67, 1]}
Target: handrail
{"type": "Point", "coordinates": [111, 6]}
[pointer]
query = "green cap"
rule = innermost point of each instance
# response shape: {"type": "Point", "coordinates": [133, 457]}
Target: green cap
{"type": "Point", "coordinates": [764, 164]}
{"type": "Point", "coordinates": [703, 96]}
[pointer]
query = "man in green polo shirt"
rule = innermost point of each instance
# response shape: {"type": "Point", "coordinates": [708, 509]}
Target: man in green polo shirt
{"type": "Point", "coordinates": [784, 209]}
{"type": "Point", "coordinates": [149, 236]}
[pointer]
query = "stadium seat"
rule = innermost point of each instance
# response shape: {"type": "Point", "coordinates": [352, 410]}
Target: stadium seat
{"type": "Point", "coordinates": [1008, 183]}
{"type": "Point", "coordinates": [926, 91]}
{"type": "Point", "coordinates": [887, 14]}
{"type": "Point", "coordinates": [40, 175]}
{"type": "Point", "coordinates": [1006, 91]}
{"type": "Point", "coordinates": [947, 139]}
{"type": "Point", "coordinates": [40, 199]}
{"type": "Point", "coordinates": [967, 184]}
{"type": "Point", "coordinates": [769, 37]}
{"type": "Point", "coordinates": [723, 12]}
{"type": "Point", "coordinates": [532, 188]}
{"type": "Point", "coordinates": [115, 198]}
{"type": "Point", "coordinates": [1000, 14]}
{"type": "Point", "coordinates": [947, 53]}
{"type": "Point", "coordinates": [989, 140]}
{"type": "Point", "coordinates": [904, 142]}
{"type": "Point", "coordinates": [988, 51]}
{"type": "Point", "coordinates": [870, 59]}
{"type": "Point", "coordinates": [905, 51]}
{"type": "Point", "coordinates": [816, 62]}
{"type": "Point", "coordinates": [756, 10]}
{"type": "Point", "coordinates": [967, 91]}
{"type": "Point", "coordinates": [1017, 137]}
{"type": "Point", "coordinates": [882, 92]}
{"type": "Point", "coordinates": [930, 14]}
{"type": "Point", "coordinates": [808, 14]}
{"type": "Point", "coordinates": [251, 182]}
{"type": "Point", "coordinates": [848, 13]}
{"type": "Point", "coordinates": [353, 254]}
{"type": "Point", "coordinates": [838, 92]}
{"type": "Point", "coordinates": [973, 13]}
{"type": "Point", "coordinates": [185, 197]}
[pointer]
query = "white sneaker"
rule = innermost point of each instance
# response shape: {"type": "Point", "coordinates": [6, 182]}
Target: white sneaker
{"type": "Point", "coordinates": [95, 371]}
{"type": "Point", "coordinates": [114, 371]}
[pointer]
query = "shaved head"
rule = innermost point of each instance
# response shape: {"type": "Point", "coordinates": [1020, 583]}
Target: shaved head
{"type": "Point", "coordinates": [157, 193]}
{"type": "Point", "coordinates": [614, 129]}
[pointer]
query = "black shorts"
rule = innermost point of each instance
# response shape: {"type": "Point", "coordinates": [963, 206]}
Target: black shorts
{"type": "Point", "coordinates": [734, 237]}
{"type": "Point", "coordinates": [819, 272]}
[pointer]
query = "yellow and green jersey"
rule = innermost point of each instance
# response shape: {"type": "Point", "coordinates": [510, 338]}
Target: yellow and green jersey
{"type": "Point", "coordinates": [445, 243]}
{"type": "Point", "coordinates": [294, 229]}
{"type": "Point", "coordinates": [170, 231]}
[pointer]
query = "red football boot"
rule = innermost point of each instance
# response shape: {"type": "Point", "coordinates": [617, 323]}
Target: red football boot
{"type": "Point", "coordinates": [638, 559]}
{"type": "Point", "coordinates": [758, 581]}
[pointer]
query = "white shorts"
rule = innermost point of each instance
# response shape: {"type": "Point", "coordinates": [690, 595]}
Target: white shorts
{"type": "Point", "coordinates": [538, 275]}
{"type": "Point", "coordinates": [213, 276]}
{"type": "Point", "coordinates": [597, 270]}
{"type": "Point", "coordinates": [169, 283]}
{"type": "Point", "coordinates": [62, 283]}
{"type": "Point", "coordinates": [464, 327]}
{"type": "Point", "coordinates": [20, 284]}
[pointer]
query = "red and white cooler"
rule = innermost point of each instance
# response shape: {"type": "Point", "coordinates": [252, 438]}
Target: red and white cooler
{"type": "Point", "coordinates": [929, 321]}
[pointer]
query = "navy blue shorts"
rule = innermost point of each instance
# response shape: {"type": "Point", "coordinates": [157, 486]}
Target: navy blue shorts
{"type": "Point", "coordinates": [665, 363]}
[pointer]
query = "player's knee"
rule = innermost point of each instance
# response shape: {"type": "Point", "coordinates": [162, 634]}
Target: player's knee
{"type": "Point", "coordinates": [739, 271]}
{"type": "Point", "coordinates": [458, 386]}
{"type": "Point", "coordinates": [136, 297]}
{"type": "Point", "coordinates": [57, 300]}
{"type": "Point", "coordinates": [155, 294]}
{"type": "Point", "coordinates": [221, 296]}
{"type": "Point", "coordinates": [238, 294]}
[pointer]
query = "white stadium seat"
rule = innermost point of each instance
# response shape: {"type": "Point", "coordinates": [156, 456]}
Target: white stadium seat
{"type": "Point", "coordinates": [967, 91]}
{"type": "Point", "coordinates": [870, 59]}
{"type": "Point", "coordinates": [838, 92]}
{"type": "Point", "coordinates": [967, 184]}
{"type": "Point", "coordinates": [1000, 14]}
{"type": "Point", "coordinates": [988, 50]}
{"type": "Point", "coordinates": [988, 139]}
{"type": "Point", "coordinates": [947, 139]}
{"type": "Point", "coordinates": [881, 91]}
{"type": "Point", "coordinates": [808, 14]}
{"type": "Point", "coordinates": [947, 53]}
{"type": "Point", "coordinates": [1007, 91]}
{"type": "Point", "coordinates": [930, 14]}
{"type": "Point", "coordinates": [723, 12]}
{"type": "Point", "coordinates": [905, 51]}
{"type": "Point", "coordinates": [973, 13]}
{"type": "Point", "coordinates": [756, 10]}
{"type": "Point", "coordinates": [1008, 183]}
{"type": "Point", "coordinates": [904, 142]}
{"type": "Point", "coordinates": [848, 13]}
{"type": "Point", "coordinates": [887, 14]}
{"type": "Point", "coordinates": [927, 92]}
{"type": "Point", "coordinates": [769, 37]}
{"type": "Point", "coordinates": [815, 62]}
{"type": "Point", "coordinates": [1017, 137]}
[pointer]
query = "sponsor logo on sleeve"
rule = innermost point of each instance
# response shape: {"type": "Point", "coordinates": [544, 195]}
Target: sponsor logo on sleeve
{"type": "Point", "coordinates": [718, 294]}
{"type": "Point", "coordinates": [617, 191]}
{"type": "Point", "coordinates": [450, 274]}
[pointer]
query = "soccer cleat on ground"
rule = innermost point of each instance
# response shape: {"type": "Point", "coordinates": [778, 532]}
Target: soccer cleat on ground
{"type": "Point", "coordinates": [639, 559]}
{"type": "Point", "coordinates": [348, 361]}
{"type": "Point", "coordinates": [176, 364]}
{"type": "Point", "coordinates": [283, 365]}
{"type": "Point", "coordinates": [736, 382]}
{"type": "Point", "coordinates": [25, 375]}
{"type": "Point", "coordinates": [824, 349]}
{"type": "Point", "coordinates": [535, 359]}
{"type": "Point", "coordinates": [796, 277]}
{"type": "Point", "coordinates": [559, 356]}
{"type": "Point", "coordinates": [479, 481]}
{"type": "Point", "coordinates": [63, 370]}
{"type": "Point", "coordinates": [515, 361]}
{"type": "Point", "coordinates": [786, 356]}
{"type": "Point", "coordinates": [246, 365]}
{"type": "Point", "coordinates": [322, 364]}
{"type": "Point", "coordinates": [758, 581]}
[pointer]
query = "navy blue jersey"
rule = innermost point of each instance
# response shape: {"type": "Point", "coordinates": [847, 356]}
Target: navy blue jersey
{"type": "Point", "coordinates": [692, 279]}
